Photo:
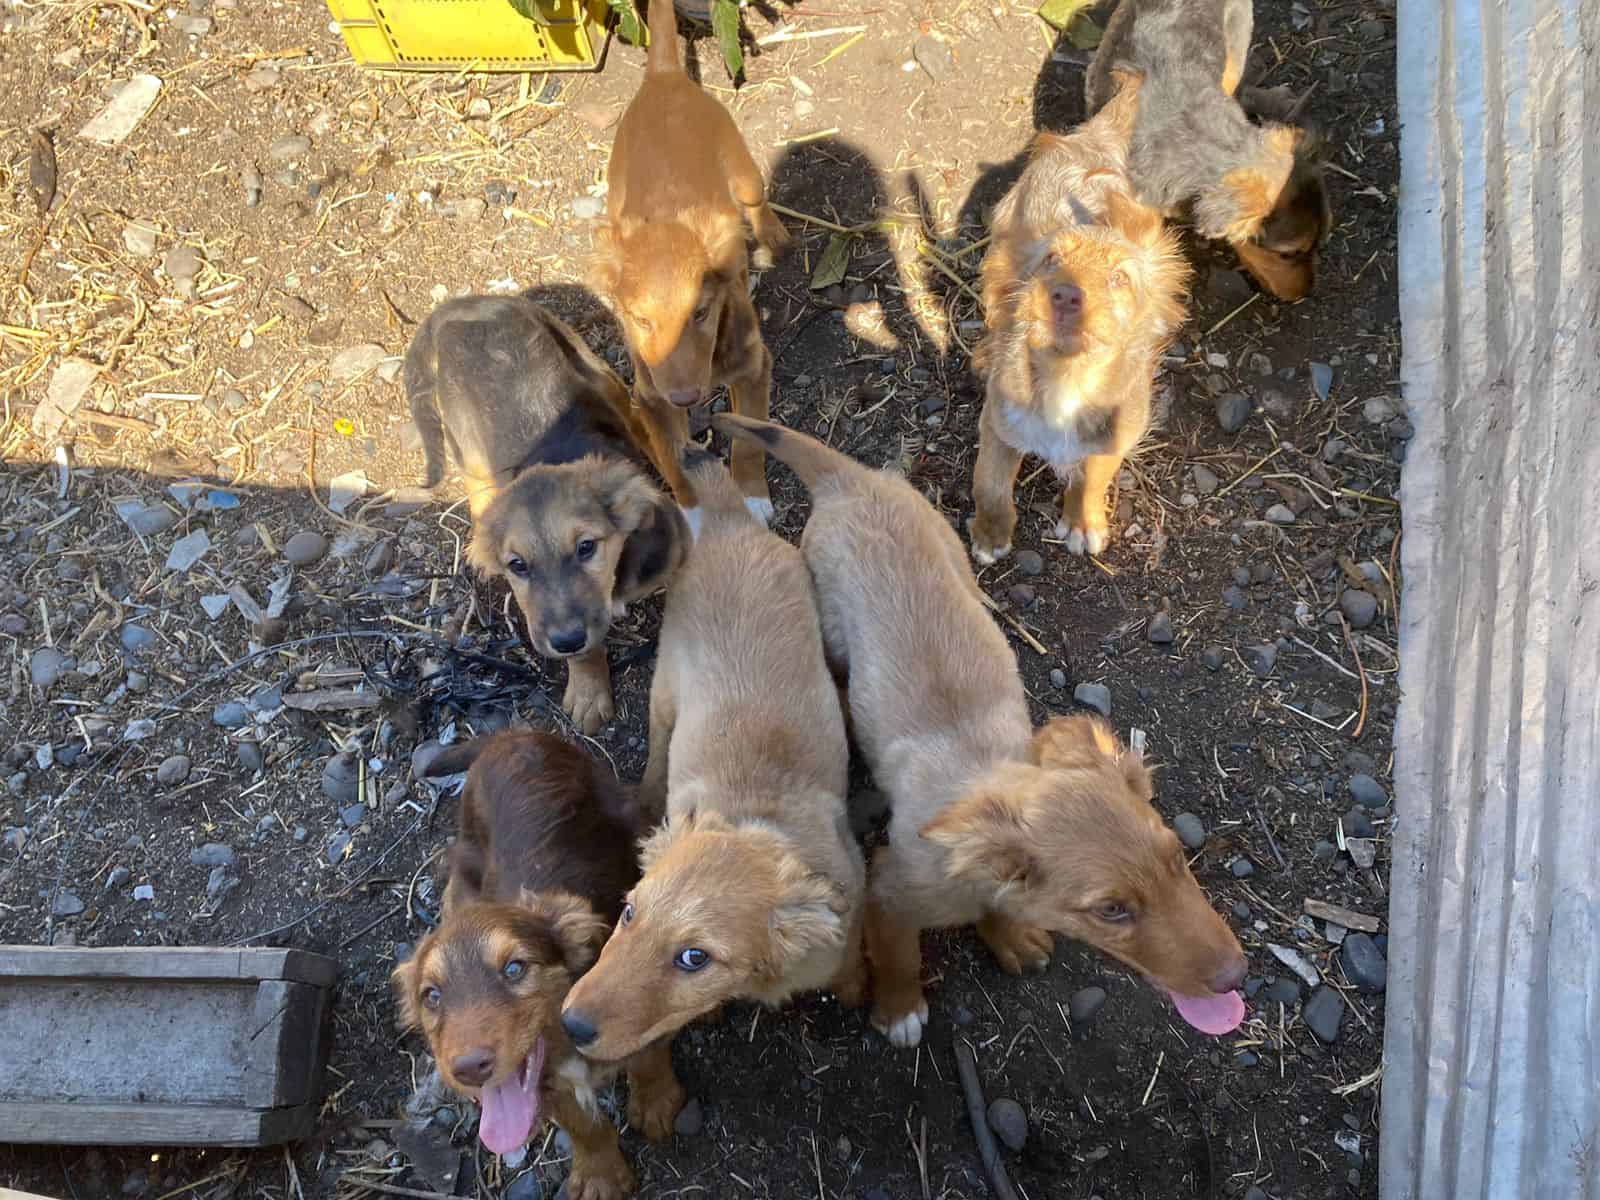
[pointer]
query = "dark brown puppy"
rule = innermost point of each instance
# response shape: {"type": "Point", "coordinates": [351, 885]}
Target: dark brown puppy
{"type": "Point", "coordinates": [537, 876]}
{"type": "Point", "coordinates": [1259, 187]}
{"type": "Point", "coordinates": [554, 464]}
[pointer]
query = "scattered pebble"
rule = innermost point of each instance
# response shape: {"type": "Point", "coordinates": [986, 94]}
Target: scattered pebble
{"type": "Point", "coordinates": [357, 360]}
{"type": "Point", "coordinates": [1205, 480]}
{"type": "Point", "coordinates": [219, 883]}
{"type": "Point", "coordinates": [1296, 962]}
{"type": "Point", "coordinates": [1321, 379]}
{"type": "Point", "coordinates": [527, 1186]}
{"type": "Point", "coordinates": [963, 1016]}
{"type": "Point", "coordinates": [1282, 990]}
{"type": "Point", "coordinates": [250, 757]}
{"type": "Point", "coordinates": [1380, 409]}
{"type": "Point", "coordinates": [305, 548]}
{"type": "Point", "coordinates": [188, 550]}
{"type": "Point", "coordinates": [1357, 824]}
{"type": "Point", "coordinates": [144, 891]}
{"type": "Point", "coordinates": [1280, 514]}
{"type": "Point", "coordinates": [1367, 792]}
{"type": "Point", "coordinates": [136, 639]}
{"type": "Point", "coordinates": [337, 848]}
{"type": "Point", "coordinates": [47, 666]}
{"type": "Point", "coordinates": [352, 815]}
{"type": "Point", "coordinates": [212, 854]}
{"type": "Point", "coordinates": [1277, 405]}
{"type": "Point", "coordinates": [1241, 911]}
{"type": "Point", "coordinates": [139, 240]}
{"type": "Point", "coordinates": [1363, 852]}
{"type": "Point", "coordinates": [1085, 1003]}
{"type": "Point", "coordinates": [1159, 629]}
{"type": "Point", "coordinates": [1190, 829]}
{"type": "Point", "coordinates": [66, 904]}
{"type": "Point", "coordinates": [1260, 659]}
{"type": "Point", "coordinates": [173, 770]}
{"type": "Point", "coordinates": [690, 1119]}
{"type": "Point", "coordinates": [1241, 868]}
{"type": "Point", "coordinates": [341, 777]}
{"type": "Point", "coordinates": [1212, 657]}
{"type": "Point", "coordinates": [1009, 1122]}
{"type": "Point", "coordinates": [1058, 678]}
{"type": "Point", "coordinates": [463, 208]}
{"type": "Point", "coordinates": [1363, 965]}
{"type": "Point", "coordinates": [289, 147]}
{"type": "Point", "coordinates": [192, 26]}
{"type": "Point", "coordinates": [588, 208]}
{"type": "Point", "coordinates": [1021, 595]}
{"type": "Point", "coordinates": [1324, 849]}
{"type": "Point", "coordinates": [934, 57]}
{"type": "Point", "coordinates": [1248, 1059]}
{"type": "Point", "coordinates": [263, 78]}
{"type": "Point", "coordinates": [182, 263]}
{"type": "Point", "coordinates": [1233, 409]}
{"type": "Point", "coordinates": [1094, 695]}
{"type": "Point", "coordinates": [1323, 1014]}
{"type": "Point", "coordinates": [250, 179]}
{"type": "Point", "coordinates": [1359, 607]}
{"type": "Point", "coordinates": [230, 715]}
{"type": "Point", "coordinates": [1235, 598]}
{"type": "Point", "coordinates": [1029, 562]}
{"type": "Point", "coordinates": [118, 876]}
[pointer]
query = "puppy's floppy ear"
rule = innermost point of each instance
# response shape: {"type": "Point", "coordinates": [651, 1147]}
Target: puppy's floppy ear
{"type": "Point", "coordinates": [605, 267]}
{"type": "Point", "coordinates": [1141, 225]}
{"type": "Point", "coordinates": [578, 929]}
{"type": "Point", "coordinates": [725, 247]}
{"type": "Point", "coordinates": [488, 531]}
{"type": "Point", "coordinates": [404, 979]}
{"type": "Point", "coordinates": [1080, 742]}
{"type": "Point", "coordinates": [986, 834]}
{"type": "Point", "coordinates": [628, 497]}
{"type": "Point", "coordinates": [807, 915]}
{"type": "Point", "coordinates": [455, 758]}
{"type": "Point", "coordinates": [655, 844]}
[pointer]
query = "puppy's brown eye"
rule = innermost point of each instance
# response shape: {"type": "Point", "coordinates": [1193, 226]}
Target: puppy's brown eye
{"type": "Point", "coordinates": [431, 997]}
{"type": "Point", "coordinates": [1114, 913]}
{"type": "Point", "coordinates": [1117, 279]}
{"type": "Point", "coordinates": [701, 313]}
{"type": "Point", "coordinates": [643, 323]}
{"type": "Point", "coordinates": [514, 970]}
{"type": "Point", "coordinates": [517, 567]}
{"type": "Point", "coordinates": [627, 914]}
{"type": "Point", "coordinates": [585, 550]}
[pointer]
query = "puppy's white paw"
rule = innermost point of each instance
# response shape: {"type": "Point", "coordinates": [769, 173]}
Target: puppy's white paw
{"type": "Point", "coordinates": [760, 508]}
{"type": "Point", "coordinates": [982, 554]}
{"type": "Point", "coordinates": [1082, 541]}
{"type": "Point", "coordinates": [906, 1031]}
{"type": "Point", "coordinates": [693, 517]}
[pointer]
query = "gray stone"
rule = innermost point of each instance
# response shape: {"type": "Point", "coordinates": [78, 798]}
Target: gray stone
{"type": "Point", "coordinates": [139, 239]}
{"type": "Point", "coordinates": [136, 639]}
{"type": "Point", "coordinates": [1363, 965]}
{"type": "Point", "coordinates": [1235, 598]}
{"type": "Point", "coordinates": [118, 876]}
{"type": "Point", "coordinates": [1357, 824]}
{"type": "Point", "coordinates": [1283, 990]}
{"type": "Point", "coordinates": [356, 360]}
{"type": "Point", "coordinates": [219, 883]}
{"type": "Point", "coordinates": [144, 891]}
{"type": "Point", "coordinates": [1321, 379]}
{"type": "Point", "coordinates": [1085, 1003]}
{"type": "Point", "coordinates": [341, 777]}
{"type": "Point", "coordinates": [963, 1016]}
{"type": "Point", "coordinates": [352, 815]}
{"type": "Point", "coordinates": [1205, 480]}
{"type": "Point", "coordinates": [289, 147]}
{"type": "Point", "coordinates": [1242, 868]}
{"type": "Point", "coordinates": [1233, 410]}
{"type": "Point", "coordinates": [1280, 514]}
{"type": "Point", "coordinates": [1029, 562]}
{"type": "Point", "coordinates": [1190, 829]}
{"type": "Point", "coordinates": [250, 757]}
{"type": "Point", "coordinates": [337, 848]}
{"type": "Point", "coordinates": [173, 770]}
{"type": "Point", "coordinates": [1212, 657]}
{"type": "Point", "coordinates": [1021, 595]}
{"type": "Point", "coordinates": [182, 263]}
{"type": "Point", "coordinates": [263, 79]}
{"type": "Point", "coordinates": [212, 854]}
{"type": "Point", "coordinates": [231, 715]}
{"type": "Point", "coordinates": [1159, 629]}
{"type": "Point", "coordinates": [1367, 792]}
{"type": "Point", "coordinates": [13, 624]}
{"type": "Point", "coordinates": [300, 834]}
{"type": "Point", "coordinates": [1058, 677]}
{"type": "Point", "coordinates": [588, 208]}
{"type": "Point", "coordinates": [691, 1118]}
{"type": "Point", "coordinates": [1094, 695]}
{"type": "Point", "coordinates": [66, 905]}
{"type": "Point", "coordinates": [463, 208]}
{"type": "Point", "coordinates": [1323, 1014]}
{"type": "Point", "coordinates": [1260, 659]}
{"type": "Point", "coordinates": [191, 26]}
{"type": "Point", "coordinates": [1248, 1059]}
{"type": "Point", "coordinates": [1359, 607]}
{"type": "Point", "coordinates": [1324, 849]}
{"type": "Point", "coordinates": [934, 57]}
{"type": "Point", "coordinates": [47, 666]}
{"type": "Point", "coordinates": [305, 548]}
{"type": "Point", "coordinates": [1009, 1122]}
{"type": "Point", "coordinates": [527, 1186]}
{"type": "Point", "coordinates": [1241, 911]}
{"type": "Point", "coordinates": [1276, 405]}
{"type": "Point", "coordinates": [380, 558]}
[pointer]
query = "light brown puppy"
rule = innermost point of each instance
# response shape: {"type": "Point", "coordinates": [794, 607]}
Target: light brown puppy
{"type": "Point", "coordinates": [1083, 289]}
{"type": "Point", "coordinates": [537, 876]}
{"type": "Point", "coordinates": [672, 260]}
{"type": "Point", "coordinates": [1025, 833]}
{"type": "Point", "coordinates": [753, 887]}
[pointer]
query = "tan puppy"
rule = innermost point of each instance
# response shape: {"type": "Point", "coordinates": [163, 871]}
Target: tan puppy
{"type": "Point", "coordinates": [753, 887]}
{"type": "Point", "coordinates": [672, 259]}
{"type": "Point", "coordinates": [1024, 833]}
{"type": "Point", "coordinates": [1082, 289]}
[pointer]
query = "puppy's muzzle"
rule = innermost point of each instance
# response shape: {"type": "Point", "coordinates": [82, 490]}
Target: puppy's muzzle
{"type": "Point", "coordinates": [579, 1029]}
{"type": "Point", "coordinates": [569, 641]}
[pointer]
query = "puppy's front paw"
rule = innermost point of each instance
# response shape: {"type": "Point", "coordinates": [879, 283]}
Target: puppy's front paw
{"type": "Point", "coordinates": [986, 550]}
{"type": "Point", "coordinates": [1083, 539]}
{"type": "Point", "coordinates": [588, 701]}
{"type": "Point", "coordinates": [902, 1029]}
{"type": "Point", "coordinates": [760, 508]}
{"type": "Point", "coordinates": [1016, 946]}
{"type": "Point", "coordinates": [610, 1179]}
{"type": "Point", "coordinates": [653, 1110]}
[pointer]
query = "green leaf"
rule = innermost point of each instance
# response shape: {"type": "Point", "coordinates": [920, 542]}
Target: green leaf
{"type": "Point", "coordinates": [628, 23]}
{"type": "Point", "coordinates": [526, 8]}
{"type": "Point", "coordinates": [1059, 13]}
{"type": "Point", "coordinates": [833, 264]}
{"type": "Point", "coordinates": [1083, 33]}
{"type": "Point", "coordinates": [725, 24]}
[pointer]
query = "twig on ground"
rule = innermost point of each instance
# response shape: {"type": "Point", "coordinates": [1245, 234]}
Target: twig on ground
{"type": "Point", "coordinates": [1361, 721]}
{"type": "Point", "coordinates": [978, 1115]}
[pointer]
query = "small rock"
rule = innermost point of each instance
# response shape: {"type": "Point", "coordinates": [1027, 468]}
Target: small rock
{"type": "Point", "coordinates": [1029, 562]}
{"type": "Point", "coordinates": [118, 876]}
{"type": "Point", "coordinates": [352, 815]}
{"type": "Point", "coordinates": [182, 263]}
{"type": "Point", "coordinates": [1360, 608]}
{"type": "Point", "coordinates": [1058, 677]}
{"type": "Point", "coordinates": [250, 757]}
{"type": "Point", "coordinates": [527, 1186]}
{"type": "Point", "coordinates": [47, 666]}
{"type": "Point", "coordinates": [289, 147]}
{"type": "Point", "coordinates": [1323, 1014]}
{"type": "Point", "coordinates": [1235, 598]}
{"type": "Point", "coordinates": [136, 1182]}
{"type": "Point", "coordinates": [66, 905]}
{"type": "Point", "coordinates": [934, 57]}
{"type": "Point", "coordinates": [13, 624]}
{"type": "Point", "coordinates": [1242, 868]}
{"type": "Point", "coordinates": [690, 1119]}
{"type": "Point", "coordinates": [337, 848]}
{"type": "Point", "coordinates": [136, 639]}
{"type": "Point", "coordinates": [146, 519]}
{"type": "Point", "coordinates": [300, 834]}
{"type": "Point", "coordinates": [1085, 1003]}
{"type": "Point", "coordinates": [1205, 480]}
{"type": "Point", "coordinates": [1241, 911]}
{"type": "Point", "coordinates": [219, 884]}
{"type": "Point", "coordinates": [1324, 849]}
{"type": "Point", "coordinates": [1363, 852]}
{"type": "Point", "coordinates": [138, 240]}
{"type": "Point", "coordinates": [191, 26]}
{"type": "Point", "coordinates": [1190, 829]}
{"type": "Point", "coordinates": [263, 78]}
{"type": "Point", "coordinates": [1296, 962]}
{"type": "Point", "coordinates": [1280, 514]}
{"type": "Point", "coordinates": [1260, 659]}
{"type": "Point", "coordinates": [1357, 824]}
{"type": "Point", "coordinates": [1248, 1059]}
{"type": "Point", "coordinates": [173, 770]}
{"type": "Point", "coordinates": [1021, 595]}
{"type": "Point", "coordinates": [380, 558]}
{"type": "Point", "coordinates": [1321, 379]}
{"type": "Point", "coordinates": [1009, 1122]}
{"type": "Point", "coordinates": [1367, 792]}
{"type": "Point", "coordinates": [231, 715]}
{"type": "Point", "coordinates": [1379, 410]}
{"type": "Point", "coordinates": [341, 777]}
{"type": "Point", "coordinates": [356, 360]}
{"type": "Point", "coordinates": [305, 548]}
{"type": "Point", "coordinates": [1277, 405]}
{"type": "Point", "coordinates": [463, 208]}
{"type": "Point", "coordinates": [1212, 658]}
{"type": "Point", "coordinates": [1159, 629]}
{"type": "Point", "coordinates": [212, 854]}
{"type": "Point", "coordinates": [588, 208]}
{"type": "Point", "coordinates": [188, 550]}
{"type": "Point", "coordinates": [1282, 990]}
{"type": "Point", "coordinates": [963, 1016]}
{"type": "Point", "coordinates": [1363, 965]}
{"type": "Point", "coordinates": [144, 891]}
{"type": "Point", "coordinates": [1094, 695]}
{"type": "Point", "coordinates": [1233, 410]}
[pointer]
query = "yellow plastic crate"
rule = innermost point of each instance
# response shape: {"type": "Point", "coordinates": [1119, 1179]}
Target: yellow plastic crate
{"type": "Point", "coordinates": [479, 35]}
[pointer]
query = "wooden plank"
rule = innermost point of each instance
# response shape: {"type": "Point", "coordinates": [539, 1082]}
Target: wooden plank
{"type": "Point", "coordinates": [284, 1047]}
{"type": "Point", "coordinates": [1339, 915]}
{"type": "Point", "coordinates": [166, 962]}
{"type": "Point", "coordinates": [151, 1124]}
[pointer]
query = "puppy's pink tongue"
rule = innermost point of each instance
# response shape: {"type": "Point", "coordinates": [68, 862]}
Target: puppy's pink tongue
{"type": "Point", "coordinates": [1216, 1014]}
{"type": "Point", "coordinates": [511, 1108]}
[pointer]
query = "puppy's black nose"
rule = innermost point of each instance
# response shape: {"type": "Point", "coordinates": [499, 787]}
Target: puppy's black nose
{"type": "Point", "coordinates": [475, 1067]}
{"type": "Point", "coordinates": [1067, 297]}
{"type": "Point", "coordinates": [578, 1029]}
{"type": "Point", "coordinates": [569, 641]}
{"type": "Point", "coordinates": [1231, 976]}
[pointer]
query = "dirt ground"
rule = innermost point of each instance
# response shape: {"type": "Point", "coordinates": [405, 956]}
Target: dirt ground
{"type": "Point", "coordinates": [262, 359]}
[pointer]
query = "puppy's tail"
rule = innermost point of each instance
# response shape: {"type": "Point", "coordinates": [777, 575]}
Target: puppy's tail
{"type": "Point", "coordinates": [816, 464]}
{"type": "Point", "coordinates": [422, 393]}
{"type": "Point", "coordinates": [664, 55]}
{"type": "Point", "coordinates": [719, 497]}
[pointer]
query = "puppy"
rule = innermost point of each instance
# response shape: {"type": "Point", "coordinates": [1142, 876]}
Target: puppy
{"type": "Point", "coordinates": [1259, 187]}
{"type": "Point", "coordinates": [1082, 288]}
{"type": "Point", "coordinates": [1025, 833]}
{"type": "Point", "coordinates": [671, 257]}
{"type": "Point", "coordinates": [562, 507]}
{"type": "Point", "coordinates": [753, 887]}
{"type": "Point", "coordinates": [538, 873]}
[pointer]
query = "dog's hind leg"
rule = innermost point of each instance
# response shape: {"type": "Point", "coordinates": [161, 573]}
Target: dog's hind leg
{"type": "Point", "coordinates": [663, 717]}
{"type": "Point", "coordinates": [750, 194]}
{"type": "Point", "coordinates": [599, 1172]}
{"type": "Point", "coordinates": [894, 955]}
{"type": "Point", "coordinates": [654, 1094]}
{"type": "Point", "coordinates": [994, 478]}
{"type": "Point", "coordinates": [422, 394]}
{"type": "Point", "coordinates": [850, 984]}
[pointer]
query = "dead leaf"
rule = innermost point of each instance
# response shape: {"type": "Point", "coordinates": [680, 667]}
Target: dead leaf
{"type": "Point", "coordinates": [833, 264]}
{"type": "Point", "coordinates": [42, 171]}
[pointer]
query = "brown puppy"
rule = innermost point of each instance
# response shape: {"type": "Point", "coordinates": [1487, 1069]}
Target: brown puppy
{"type": "Point", "coordinates": [562, 508]}
{"type": "Point", "coordinates": [1082, 289]}
{"type": "Point", "coordinates": [672, 259]}
{"type": "Point", "coordinates": [537, 876]}
{"type": "Point", "coordinates": [1259, 187]}
{"type": "Point", "coordinates": [753, 887]}
{"type": "Point", "coordinates": [1026, 833]}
